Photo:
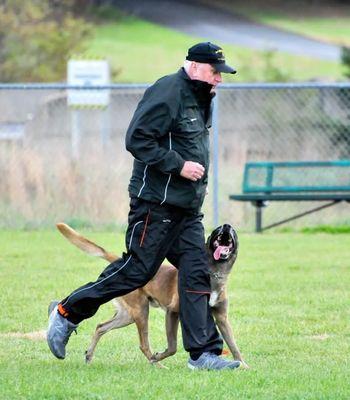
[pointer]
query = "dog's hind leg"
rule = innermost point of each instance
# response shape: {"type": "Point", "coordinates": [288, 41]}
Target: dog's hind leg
{"type": "Point", "coordinates": [171, 325]}
{"type": "Point", "coordinates": [140, 316]}
{"type": "Point", "coordinates": [121, 318]}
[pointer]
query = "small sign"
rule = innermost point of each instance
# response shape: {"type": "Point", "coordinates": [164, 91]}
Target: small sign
{"type": "Point", "coordinates": [11, 131]}
{"type": "Point", "coordinates": [88, 73]}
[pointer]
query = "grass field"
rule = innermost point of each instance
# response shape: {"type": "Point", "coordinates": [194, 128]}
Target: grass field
{"type": "Point", "coordinates": [333, 30]}
{"type": "Point", "coordinates": [289, 296]}
{"type": "Point", "coordinates": [139, 51]}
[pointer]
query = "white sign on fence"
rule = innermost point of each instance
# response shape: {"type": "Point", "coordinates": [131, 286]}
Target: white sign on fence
{"type": "Point", "coordinates": [88, 73]}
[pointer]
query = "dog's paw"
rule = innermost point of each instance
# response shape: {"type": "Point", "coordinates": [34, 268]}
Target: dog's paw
{"type": "Point", "coordinates": [88, 357]}
{"type": "Point", "coordinates": [157, 364]}
{"type": "Point", "coordinates": [244, 365]}
{"type": "Point", "coordinates": [155, 358]}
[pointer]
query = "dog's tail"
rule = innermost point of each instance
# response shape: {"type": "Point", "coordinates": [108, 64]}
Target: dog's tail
{"type": "Point", "coordinates": [85, 244]}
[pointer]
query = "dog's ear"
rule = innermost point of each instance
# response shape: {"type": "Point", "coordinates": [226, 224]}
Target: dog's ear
{"type": "Point", "coordinates": [209, 240]}
{"type": "Point", "coordinates": [215, 233]}
{"type": "Point", "coordinates": [234, 237]}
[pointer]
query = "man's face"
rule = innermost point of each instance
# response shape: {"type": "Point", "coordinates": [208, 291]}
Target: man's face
{"type": "Point", "coordinates": [207, 73]}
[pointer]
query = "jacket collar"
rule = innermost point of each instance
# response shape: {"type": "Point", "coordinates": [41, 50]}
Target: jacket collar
{"type": "Point", "coordinates": [201, 90]}
{"type": "Point", "coordinates": [202, 93]}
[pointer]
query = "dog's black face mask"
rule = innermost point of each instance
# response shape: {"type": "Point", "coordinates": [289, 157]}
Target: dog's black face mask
{"type": "Point", "coordinates": [223, 242]}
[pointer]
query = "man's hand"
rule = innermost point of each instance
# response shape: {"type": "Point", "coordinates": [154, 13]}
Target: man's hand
{"type": "Point", "coordinates": [192, 170]}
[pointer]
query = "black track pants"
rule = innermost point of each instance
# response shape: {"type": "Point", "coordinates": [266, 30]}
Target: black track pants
{"type": "Point", "coordinates": [151, 231]}
{"type": "Point", "coordinates": [188, 254]}
{"type": "Point", "coordinates": [155, 232]}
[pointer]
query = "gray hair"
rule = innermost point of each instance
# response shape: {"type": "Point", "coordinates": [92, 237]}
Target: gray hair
{"type": "Point", "coordinates": [187, 65]}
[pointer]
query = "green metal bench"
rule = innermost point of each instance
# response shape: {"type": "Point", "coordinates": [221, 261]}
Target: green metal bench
{"type": "Point", "coordinates": [326, 181]}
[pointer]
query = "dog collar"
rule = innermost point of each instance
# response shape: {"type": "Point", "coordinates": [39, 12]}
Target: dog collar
{"type": "Point", "coordinates": [217, 275]}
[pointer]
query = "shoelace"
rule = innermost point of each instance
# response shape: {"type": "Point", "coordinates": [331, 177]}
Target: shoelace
{"type": "Point", "coordinates": [216, 360]}
{"type": "Point", "coordinates": [69, 332]}
{"type": "Point", "coordinates": [212, 359]}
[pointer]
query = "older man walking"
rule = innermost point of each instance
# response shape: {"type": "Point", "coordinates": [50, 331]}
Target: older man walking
{"type": "Point", "coordinates": [169, 139]}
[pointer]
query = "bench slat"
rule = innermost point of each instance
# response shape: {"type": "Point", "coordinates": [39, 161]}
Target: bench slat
{"type": "Point", "coordinates": [295, 177]}
{"type": "Point", "coordinates": [294, 181]}
{"type": "Point", "coordinates": [290, 197]}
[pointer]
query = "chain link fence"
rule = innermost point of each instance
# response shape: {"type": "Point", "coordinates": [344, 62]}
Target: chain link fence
{"type": "Point", "coordinates": [63, 163]}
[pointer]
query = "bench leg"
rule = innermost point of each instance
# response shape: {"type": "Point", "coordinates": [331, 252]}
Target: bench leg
{"type": "Point", "coordinates": [301, 214]}
{"type": "Point", "coordinates": [258, 219]}
{"type": "Point", "coordinates": [258, 215]}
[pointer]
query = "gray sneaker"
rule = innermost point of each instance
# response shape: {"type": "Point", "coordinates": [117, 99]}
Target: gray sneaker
{"type": "Point", "coordinates": [58, 332]}
{"type": "Point", "coordinates": [211, 361]}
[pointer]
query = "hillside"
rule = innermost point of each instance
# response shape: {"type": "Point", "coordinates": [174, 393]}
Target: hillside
{"type": "Point", "coordinates": [141, 51]}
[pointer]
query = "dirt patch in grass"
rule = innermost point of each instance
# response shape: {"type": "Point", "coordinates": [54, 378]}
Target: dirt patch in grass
{"type": "Point", "coordinates": [36, 335]}
{"type": "Point", "coordinates": [322, 336]}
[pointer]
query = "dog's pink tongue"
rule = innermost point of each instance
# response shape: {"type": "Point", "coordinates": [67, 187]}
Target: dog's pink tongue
{"type": "Point", "coordinates": [218, 251]}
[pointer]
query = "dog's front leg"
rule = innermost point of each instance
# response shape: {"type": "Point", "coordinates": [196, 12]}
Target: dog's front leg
{"type": "Point", "coordinates": [221, 318]}
{"type": "Point", "coordinates": [171, 326]}
{"type": "Point", "coordinates": [141, 320]}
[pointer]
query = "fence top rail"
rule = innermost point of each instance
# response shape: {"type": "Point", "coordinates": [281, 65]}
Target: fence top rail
{"type": "Point", "coordinates": [287, 85]}
{"type": "Point", "coordinates": [63, 86]}
{"type": "Point", "coordinates": [298, 164]}
{"type": "Point", "coordinates": [267, 86]}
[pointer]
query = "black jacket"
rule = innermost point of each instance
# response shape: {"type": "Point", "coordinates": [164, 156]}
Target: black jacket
{"type": "Point", "coordinates": [169, 127]}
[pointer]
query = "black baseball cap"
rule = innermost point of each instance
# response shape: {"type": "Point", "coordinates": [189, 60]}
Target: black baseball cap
{"type": "Point", "coordinates": [209, 53]}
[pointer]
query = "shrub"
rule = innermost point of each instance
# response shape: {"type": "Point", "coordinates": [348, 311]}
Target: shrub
{"type": "Point", "coordinates": [37, 38]}
{"type": "Point", "coordinates": [345, 60]}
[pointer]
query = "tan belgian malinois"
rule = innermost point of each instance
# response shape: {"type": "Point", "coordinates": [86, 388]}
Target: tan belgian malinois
{"type": "Point", "coordinates": [161, 291]}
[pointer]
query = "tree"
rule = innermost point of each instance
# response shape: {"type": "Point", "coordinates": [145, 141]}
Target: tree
{"type": "Point", "coordinates": [37, 37]}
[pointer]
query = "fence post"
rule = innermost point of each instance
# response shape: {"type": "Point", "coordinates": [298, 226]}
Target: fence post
{"type": "Point", "coordinates": [105, 128]}
{"type": "Point", "coordinates": [75, 133]}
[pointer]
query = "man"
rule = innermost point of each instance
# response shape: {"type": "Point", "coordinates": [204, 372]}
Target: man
{"type": "Point", "coordinates": [169, 139]}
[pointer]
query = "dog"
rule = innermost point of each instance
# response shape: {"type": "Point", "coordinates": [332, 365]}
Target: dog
{"type": "Point", "coordinates": [161, 291]}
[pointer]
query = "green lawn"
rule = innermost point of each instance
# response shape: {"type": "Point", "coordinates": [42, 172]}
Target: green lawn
{"type": "Point", "coordinates": [140, 51]}
{"type": "Point", "coordinates": [289, 296]}
{"type": "Point", "coordinates": [334, 30]}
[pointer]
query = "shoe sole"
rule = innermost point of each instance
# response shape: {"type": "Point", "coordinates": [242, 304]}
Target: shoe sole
{"type": "Point", "coordinates": [52, 351]}
{"type": "Point", "coordinates": [193, 368]}
{"type": "Point", "coordinates": [51, 308]}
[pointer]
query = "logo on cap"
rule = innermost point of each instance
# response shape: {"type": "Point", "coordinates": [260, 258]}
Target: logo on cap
{"type": "Point", "coordinates": [221, 54]}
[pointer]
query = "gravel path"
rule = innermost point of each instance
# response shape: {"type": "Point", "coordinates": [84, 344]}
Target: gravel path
{"type": "Point", "coordinates": [213, 24]}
